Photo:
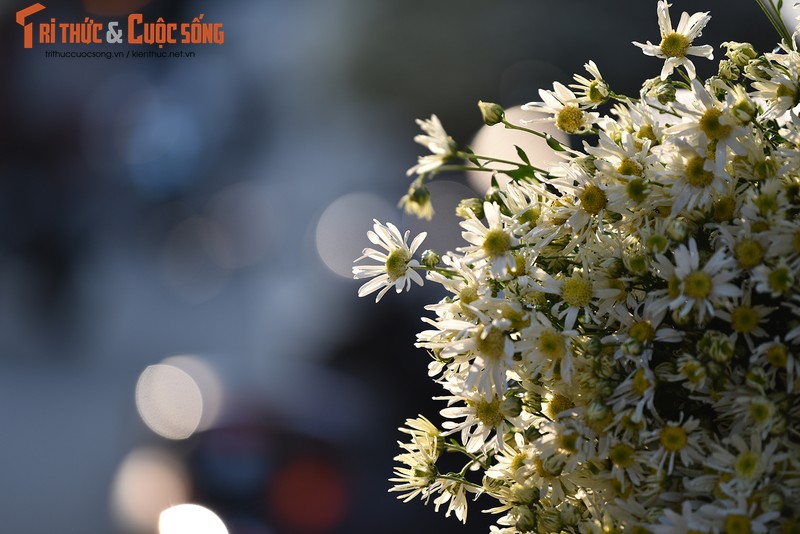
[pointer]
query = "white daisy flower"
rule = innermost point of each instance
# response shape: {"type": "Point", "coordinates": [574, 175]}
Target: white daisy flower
{"type": "Point", "coordinates": [441, 145]}
{"type": "Point", "coordinates": [592, 92]}
{"type": "Point", "coordinates": [480, 417]}
{"type": "Point", "coordinates": [681, 440]}
{"type": "Point", "coordinates": [565, 110]}
{"type": "Point", "coordinates": [693, 289]}
{"type": "Point", "coordinates": [490, 245]}
{"type": "Point", "coordinates": [676, 44]}
{"type": "Point", "coordinates": [396, 267]}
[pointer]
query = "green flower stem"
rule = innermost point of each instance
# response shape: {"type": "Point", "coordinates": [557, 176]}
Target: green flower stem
{"type": "Point", "coordinates": [454, 446]}
{"type": "Point", "coordinates": [511, 126]}
{"type": "Point", "coordinates": [449, 273]}
{"type": "Point", "coordinates": [464, 155]}
{"type": "Point", "coordinates": [776, 21]}
{"type": "Point", "coordinates": [460, 479]}
{"type": "Point", "coordinates": [665, 110]}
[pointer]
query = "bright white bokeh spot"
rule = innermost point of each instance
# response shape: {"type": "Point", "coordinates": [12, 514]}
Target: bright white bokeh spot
{"type": "Point", "coordinates": [169, 401]}
{"type": "Point", "coordinates": [207, 380]}
{"type": "Point", "coordinates": [498, 141]}
{"type": "Point", "coordinates": [148, 481]}
{"type": "Point", "coordinates": [341, 232]}
{"type": "Point", "coordinates": [190, 519]}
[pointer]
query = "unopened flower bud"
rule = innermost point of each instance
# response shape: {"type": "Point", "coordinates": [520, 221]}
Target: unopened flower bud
{"type": "Point", "coordinates": [716, 345]}
{"type": "Point", "coordinates": [430, 258]}
{"type": "Point", "coordinates": [728, 70]}
{"type": "Point", "coordinates": [594, 346]}
{"type": "Point", "coordinates": [739, 53]}
{"type": "Point", "coordinates": [772, 501]}
{"type": "Point", "coordinates": [417, 201]}
{"type": "Point", "coordinates": [570, 515]}
{"type": "Point", "coordinates": [511, 407]}
{"type": "Point", "coordinates": [469, 207]}
{"type": "Point", "coordinates": [678, 230]}
{"type": "Point", "coordinates": [526, 519]}
{"type": "Point", "coordinates": [665, 93]}
{"type": "Point", "coordinates": [632, 347]}
{"type": "Point", "coordinates": [492, 113]}
{"type": "Point", "coordinates": [550, 520]}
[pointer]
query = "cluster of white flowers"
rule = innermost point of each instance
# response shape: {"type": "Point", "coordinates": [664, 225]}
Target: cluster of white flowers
{"type": "Point", "coordinates": [620, 341]}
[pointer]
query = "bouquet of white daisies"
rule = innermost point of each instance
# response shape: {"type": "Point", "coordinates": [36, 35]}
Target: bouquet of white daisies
{"type": "Point", "coordinates": [618, 347]}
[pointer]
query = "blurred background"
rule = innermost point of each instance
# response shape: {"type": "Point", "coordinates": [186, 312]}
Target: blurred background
{"type": "Point", "coordinates": [177, 320]}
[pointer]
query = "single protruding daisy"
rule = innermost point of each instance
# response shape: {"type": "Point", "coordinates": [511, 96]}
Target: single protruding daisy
{"type": "Point", "coordinates": [564, 108]}
{"type": "Point", "coordinates": [676, 44]}
{"type": "Point", "coordinates": [441, 145]}
{"type": "Point", "coordinates": [396, 266]}
{"type": "Point", "coordinates": [592, 92]}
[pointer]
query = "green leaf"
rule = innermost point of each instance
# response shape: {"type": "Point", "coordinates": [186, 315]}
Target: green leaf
{"type": "Point", "coordinates": [553, 143]}
{"type": "Point", "coordinates": [522, 155]}
{"type": "Point", "coordinates": [523, 172]}
{"type": "Point", "coordinates": [472, 160]}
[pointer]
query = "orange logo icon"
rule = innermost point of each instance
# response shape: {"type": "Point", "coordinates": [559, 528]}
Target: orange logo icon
{"type": "Point", "coordinates": [28, 28]}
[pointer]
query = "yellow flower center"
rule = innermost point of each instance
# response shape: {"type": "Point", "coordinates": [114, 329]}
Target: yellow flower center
{"type": "Point", "coordinates": [722, 209]}
{"type": "Point", "coordinates": [629, 167]}
{"type": "Point", "coordinates": [777, 356]}
{"type": "Point", "coordinates": [767, 204]}
{"type": "Point", "coordinates": [673, 438]}
{"type": "Point", "coordinates": [488, 412]}
{"type": "Point", "coordinates": [569, 119]}
{"type": "Point", "coordinates": [397, 264]}
{"type": "Point", "coordinates": [568, 442]}
{"type": "Point", "coordinates": [593, 199]}
{"type": "Point", "coordinates": [558, 404]}
{"type": "Point", "coordinates": [491, 343]}
{"type": "Point", "coordinates": [748, 253]}
{"type": "Point", "coordinates": [640, 383]}
{"type": "Point", "coordinates": [780, 280]}
{"type": "Point", "coordinates": [693, 371]}
{"type": "Point", "coordinates": [551, 344]}
{"type": "Point", "coordinates": [696, 174]}
{"type": "Point", "coordinates": [674, 45]}
{"type": "Point", "coordinates": [597, 92]}
{"type": "Point", "coordinates": [577, 291]}
{"type": "Point", "coordinates": [467, 295]}
{"type": "Point", "coordinates": [636, 190]}
{"type": "Point", "coordinates": [642, 331]}
{"type": "Point", "coordinates": [785, 90]}
{"type": "Point", "coordinates": [646, 132]}
{"type": "Point", "coordinates": [737, 524]}
{"type": "Point", "coordinates": [697, 285]}
{"type": "Point", "coordinates": [496, 243]}
{"type": "Point", "coordinates": [746, 465]}
{"type": "Point", "coordinates": [711, 126]}
{"type": "Point", "coordinates": [760, 411]}
{"type": "Point", "coordinates": [744, 319]}
{"type": "Point", "coordinates": [621, 455]}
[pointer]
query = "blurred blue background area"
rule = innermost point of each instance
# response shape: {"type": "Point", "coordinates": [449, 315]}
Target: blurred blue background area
{"type": "Point", "coordinates": [177, 319]}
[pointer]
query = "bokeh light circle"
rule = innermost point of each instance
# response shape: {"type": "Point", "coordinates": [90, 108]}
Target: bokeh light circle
{"type": "Point", "coordinates": [169, 401]}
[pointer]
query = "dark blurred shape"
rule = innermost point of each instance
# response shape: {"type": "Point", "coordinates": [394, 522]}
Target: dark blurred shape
{"type": "Point", "coordinates": [309, 494]}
